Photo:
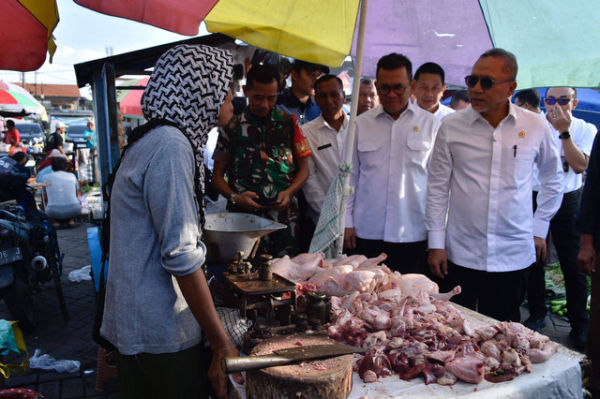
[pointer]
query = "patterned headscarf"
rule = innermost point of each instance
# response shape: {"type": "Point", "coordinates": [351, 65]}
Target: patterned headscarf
{"type": "Point", "coordinates": [188, 86]}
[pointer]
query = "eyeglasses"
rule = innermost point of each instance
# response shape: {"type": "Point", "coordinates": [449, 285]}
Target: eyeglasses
{"type": "Point", "coordinates": [386, 89]}
{"type": "Point", "coordinates": [485, 81]}
{"type": "Point", "coordinates": [560, 101]}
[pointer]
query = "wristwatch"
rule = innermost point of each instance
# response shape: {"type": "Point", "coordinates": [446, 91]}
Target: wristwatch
{"type": "Point", "coordinates": [232, 198]}
{"type": "Point", "coordinates": [564, 135]}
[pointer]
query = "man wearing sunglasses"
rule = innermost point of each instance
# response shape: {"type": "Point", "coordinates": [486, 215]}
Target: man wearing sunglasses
{"type": "Point", "coordinates": [393, 146]}
{"type": "Point", "coordinates": [574, 138]}
{"type": "Point", "coordinates": [483, 233]}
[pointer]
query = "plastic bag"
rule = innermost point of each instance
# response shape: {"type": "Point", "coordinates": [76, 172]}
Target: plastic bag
{"type": "Point", "coordinates": [82, 274]}
{"type": "Point", "coordinates": [47, 362]}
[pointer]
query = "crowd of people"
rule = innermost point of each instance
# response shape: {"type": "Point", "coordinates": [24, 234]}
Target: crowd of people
{"type": "Point", "coordinates": [55, 175]}
{"type": "Point", "coordinates": [444, 191]}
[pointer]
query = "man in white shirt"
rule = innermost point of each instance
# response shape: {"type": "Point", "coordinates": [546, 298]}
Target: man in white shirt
{"type": "Point", "coordinates": [63, 203]}
{"type": "Point", "coordinates": [393, 146]}
{"type": "Point", "coordinates": [574, 138]}
{"type": "Point", "coordinates": [482, 231]}
{"type": "Point", "coordinates": [428, 88]}
{"type": "Point", "coordinates": [327, 138]}
{"type": "Point", "coordinates": [367, 96]}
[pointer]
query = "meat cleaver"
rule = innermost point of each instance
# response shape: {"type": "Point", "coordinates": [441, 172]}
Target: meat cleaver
{"type": "Point", "coordinates": [287, 356]}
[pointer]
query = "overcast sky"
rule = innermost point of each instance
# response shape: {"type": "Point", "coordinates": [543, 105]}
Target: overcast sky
{"type": "Point", "coordinates": [84, 35]}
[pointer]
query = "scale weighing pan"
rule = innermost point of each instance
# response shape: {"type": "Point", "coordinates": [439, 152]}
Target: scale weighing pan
{"type": "Point", "coordinates": [227, 233]}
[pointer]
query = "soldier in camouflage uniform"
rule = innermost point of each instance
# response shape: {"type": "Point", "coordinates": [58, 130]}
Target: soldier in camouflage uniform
{"type": "Point", "coordinates": [264, 156]}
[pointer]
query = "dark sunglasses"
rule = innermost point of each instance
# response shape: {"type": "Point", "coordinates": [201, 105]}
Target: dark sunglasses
{"type": "Point", "coordinates": [485, 81]}
{"type": "Point", "coordinates": [560, 101]}
{"type": "Point", "coordinates": [386, 89]}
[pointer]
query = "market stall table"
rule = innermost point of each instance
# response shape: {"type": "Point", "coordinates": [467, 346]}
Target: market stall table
{"type": "Point", "coordinates": [39, 187]}
{"type": "Point", "coordinates": [559, 377]}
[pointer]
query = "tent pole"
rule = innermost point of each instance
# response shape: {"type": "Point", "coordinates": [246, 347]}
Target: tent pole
{"type": "Point", "coordinates": [352, 125]}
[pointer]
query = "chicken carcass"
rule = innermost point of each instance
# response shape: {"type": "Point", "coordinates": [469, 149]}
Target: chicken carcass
{"type": "Point", "coordinates": [373, 261]}
{"type": "Point", "coordinates": [466, 365]}
{"type": "Point", "coordinates": [332, 281]}
{"type": "Point", "coordinates": [353, 260]}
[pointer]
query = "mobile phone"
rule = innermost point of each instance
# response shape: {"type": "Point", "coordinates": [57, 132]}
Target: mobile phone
{"type": "Point", "coordinates": [267, 201]}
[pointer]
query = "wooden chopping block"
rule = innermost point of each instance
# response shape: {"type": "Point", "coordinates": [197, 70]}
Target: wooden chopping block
{"type": "Point", "coordinates": [325, 378]}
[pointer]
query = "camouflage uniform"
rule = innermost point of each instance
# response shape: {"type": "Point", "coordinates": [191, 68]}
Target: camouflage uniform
{"type": "Point", "coordinates": [261, 154]}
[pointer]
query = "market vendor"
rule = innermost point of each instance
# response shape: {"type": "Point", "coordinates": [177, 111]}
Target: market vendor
{"type": "Point", "coordinates": [264, 155]}
{"type": "Point", "coordinates": [158, 304]}
{"type": "Point", "coordinates": [12, 136]}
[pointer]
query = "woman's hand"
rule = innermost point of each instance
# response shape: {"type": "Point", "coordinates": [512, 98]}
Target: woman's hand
{"type": "Point", "coordinates": [217, 376]}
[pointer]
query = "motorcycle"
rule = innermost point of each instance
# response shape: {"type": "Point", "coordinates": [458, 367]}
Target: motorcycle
{"type": "Point", "coordinates": [29, 257]}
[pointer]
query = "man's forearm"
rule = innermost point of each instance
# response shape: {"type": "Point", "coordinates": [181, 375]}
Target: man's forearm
{"type": "Point", "coordinates": [221, 186]}
{"type": "Point", "coordinates": [197, 294]}
{"type": "Point", "coordinates": [577, 160]}
{"type": "Point", "coordinates": [300, 178]}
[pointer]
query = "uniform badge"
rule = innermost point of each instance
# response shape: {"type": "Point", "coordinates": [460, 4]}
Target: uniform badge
{"type": "Point", "coordinates": [522, 134]}
{"type": "Point", "coordinates": [416, 128]}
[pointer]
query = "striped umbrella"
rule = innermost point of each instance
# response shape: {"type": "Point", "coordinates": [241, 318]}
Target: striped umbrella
{"type": "Point", "coordinates": [16, 101]}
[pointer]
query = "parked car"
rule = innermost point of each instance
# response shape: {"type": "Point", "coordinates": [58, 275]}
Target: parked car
{"type": "Point", "coordinates": [75, 133]}
{"type": "Point", "coordinates": [31, 133]}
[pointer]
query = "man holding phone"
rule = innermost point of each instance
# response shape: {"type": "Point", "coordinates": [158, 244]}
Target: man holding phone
{"type": "Point", "coordinates": [264, 155]}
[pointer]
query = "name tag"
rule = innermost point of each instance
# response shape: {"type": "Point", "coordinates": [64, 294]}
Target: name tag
{"type": "Point", "coordinates": [324, 146]}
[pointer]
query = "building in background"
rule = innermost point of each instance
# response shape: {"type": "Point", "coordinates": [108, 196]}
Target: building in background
{"type": "Point", "coordinates": [57, 97]}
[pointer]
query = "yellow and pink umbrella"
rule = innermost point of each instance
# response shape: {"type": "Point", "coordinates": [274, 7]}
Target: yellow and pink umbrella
{"type": "Point", "coordinates": [26, 28]}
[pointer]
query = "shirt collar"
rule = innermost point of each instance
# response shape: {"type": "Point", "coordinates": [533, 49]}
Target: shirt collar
{"type": "Point", "coordinates": [474, 115]}
{"type": "Point", "coordinates": [323, 122]}
{"type": "Point", "coordinates": [380, 111]}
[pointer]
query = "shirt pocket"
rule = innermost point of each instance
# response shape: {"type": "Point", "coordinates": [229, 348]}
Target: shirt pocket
{"type": "Point", "coordinates": [418, 149]}
{"type": "Point", "coordinates": [369, 152]}
{"type": "Point", "coordinates": [520, 163]}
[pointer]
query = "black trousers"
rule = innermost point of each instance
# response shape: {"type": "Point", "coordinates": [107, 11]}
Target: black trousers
{"type": "Point", "coordinates": [166, 375]}
{"type": "Point", "coordinates": [565, 238]}
{"type": "Point", "coordinates": [409, 257]}
{"type": "Point", "coordinates": [497, 295]}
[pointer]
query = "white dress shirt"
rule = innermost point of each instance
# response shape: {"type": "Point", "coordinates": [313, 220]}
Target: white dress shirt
{"type": "Point", "coordinates": [583, 135]}
{"type": "Point", "coordinates": [443, 111]}
{"type": "Point", "coordinates": [389, 174]}
{"type": "Point", "coordinates": [479, 204]}
{"type": "Point", "coordinates": [328, 146]}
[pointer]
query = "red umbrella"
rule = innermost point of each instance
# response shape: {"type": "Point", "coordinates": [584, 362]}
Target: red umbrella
{"type": "Point", "coordinates": [26, 33]}
{"type": "Point", "coordinates": [130, 99]}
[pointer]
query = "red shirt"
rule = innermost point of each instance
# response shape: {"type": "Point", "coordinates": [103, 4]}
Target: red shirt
{"type": "Point", "coordinates": [12, 135]}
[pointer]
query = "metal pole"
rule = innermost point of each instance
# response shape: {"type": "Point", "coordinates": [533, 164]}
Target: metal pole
{"type": "Point", "coordinates": [352, 124]}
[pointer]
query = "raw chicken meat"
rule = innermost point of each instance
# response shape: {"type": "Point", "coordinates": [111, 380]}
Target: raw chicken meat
{"type": "Point", "coordinates": [467, 366]}
{"type": "Point", "coordinates": [308, 258]}
{"type": "Point", "coordinates": [373, 261]}
{"type": "Point", "coordinates": [409, 327]}
{"type": "Point", "coordinates": [299, 268]}
{"type": "Point", "coordinates": [413, 284]}
{"type": "Point", "coordinates": [353, 260]}
{"type": "Point", "coordinates": [332, 281]}
{"type": "Point", "coordinates": [541, 355]}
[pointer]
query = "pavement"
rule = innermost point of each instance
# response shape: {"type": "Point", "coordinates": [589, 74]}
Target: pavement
{"type": "Point", "coordinates": [72, 340]}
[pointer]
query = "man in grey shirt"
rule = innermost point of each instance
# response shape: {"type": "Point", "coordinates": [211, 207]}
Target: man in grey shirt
{"type": "Point", "coordinates": [157, 298]}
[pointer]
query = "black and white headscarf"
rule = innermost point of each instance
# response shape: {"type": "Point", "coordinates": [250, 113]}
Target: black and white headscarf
{"type": "Point", "coordinates": [188, 86]}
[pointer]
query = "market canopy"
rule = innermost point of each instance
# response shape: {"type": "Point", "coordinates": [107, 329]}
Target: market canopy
{"type": "Point", "coordinates": [26, 28]}
{"type": "Point", "coordinates": [555, 44]}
